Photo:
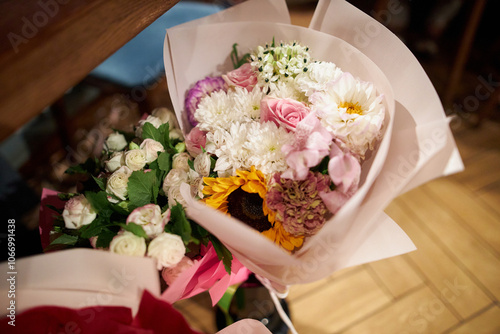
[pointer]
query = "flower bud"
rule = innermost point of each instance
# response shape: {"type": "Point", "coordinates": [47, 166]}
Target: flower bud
{"type": "Point", "coordinates": [78, 212]}
{"type": "Point", "coordinates": [135, 159]}
{"type": "Point", "coordinates": [202, 164]}
{"type": "Point", "coordinates": [168, 250]}
{"type": "Point", "coordinates": [127, 243]}
{"type": "Point", "coordinates": [151, 148]}
{"type": "Point", "coordinates": [116, 142]}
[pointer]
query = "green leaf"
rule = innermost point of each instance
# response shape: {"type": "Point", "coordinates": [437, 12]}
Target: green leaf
{"type": "Point", "coordinates": [53, 208]}
{"type": "Point", "coordinates": [104, 239]}
{"type": "Point", "coordinates": [165, 161]}
{"type": "Point", "coordinates": [165, 137]}
{"type": "Point", "coordinates": [141, 188]}
{"type": "Point", "coordinates": [93, 228]}
{"type": "Point", "coordinates": [237, 62]}
{"type": "Point", "coordinates": [322, 167]}
{"type": "Point", "coordinates": [225, 302]}
{"type": "Point", "coordinates": [222, 253]}
{"type": "Point", "coordinates": [179, 224]}
{"type": "Point", "coordinates": [90, 166]}
{"type": "Point", "coordinates": [154, 164]}
{"type": "Point", "coordinates": [65, 240]}
{"type": "Point", "coordinates": [99, 202]}
{"type": "Point", "coordinates": [149, 131]}
{"type": "Point", "coordinates": [101, 182]}
{"type": "Point", "coordinates": [134, 228]}
{"type": "Point", "coordinates": [66, 196]}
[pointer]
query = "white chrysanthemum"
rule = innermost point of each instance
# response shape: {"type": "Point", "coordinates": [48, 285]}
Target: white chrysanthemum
{"type": "Point", "coordinates": [317, 76]}
{"type": "Point", "coordinates": [229, 148]}
{"type": "Point", "coordinates": [215, 111]}
{"type": "Point", "coordinates": [351, 110]}
{"type": "Point", "coordinates": [246, 103]}
{"type": "Point", "coordinates": [264, 142]}
{"type": "Point", "coordinates": [221, 109]}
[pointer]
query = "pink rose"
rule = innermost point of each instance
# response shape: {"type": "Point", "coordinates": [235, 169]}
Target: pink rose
{"type": "Point", "coordinates": [283, 112]}
{"type": "Point", "coordinates": [243, 77]}
{"type": "Point", "coordinates": [195, 140]}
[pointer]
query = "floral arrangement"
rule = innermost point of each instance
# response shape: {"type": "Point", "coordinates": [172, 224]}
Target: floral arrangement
{"type": "Point", "coordinates": [277, 143]}
{"type": "Point", "coordinates": [129, 203]}
{"type": "Point", "coordinates": [288, 135]}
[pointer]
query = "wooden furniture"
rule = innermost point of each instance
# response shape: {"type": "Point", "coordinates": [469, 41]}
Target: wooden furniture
{"type": "Point", "coordinates": [48, 46]}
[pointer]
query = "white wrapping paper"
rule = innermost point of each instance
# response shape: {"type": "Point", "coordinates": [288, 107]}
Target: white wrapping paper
{"type": "Point", "coordinates": [79, 278]}
{"type": "Point", "coordinates": [417, 145]}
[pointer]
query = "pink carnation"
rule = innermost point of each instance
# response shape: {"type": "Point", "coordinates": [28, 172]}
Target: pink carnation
{"type": "Point", "coordinates": [345, 171]}
{"type": "Point", "coordinates": [243, 77]}
{"type": "Point", "coordinates": [283, 112]}
{"type": "Point", "coordinates": [311, 144]}
{"type": "Point", "coordinates": [298, 203]}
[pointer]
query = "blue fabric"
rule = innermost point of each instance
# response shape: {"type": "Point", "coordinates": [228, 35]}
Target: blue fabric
{"type": "Point", "coordinates": [140, 61]}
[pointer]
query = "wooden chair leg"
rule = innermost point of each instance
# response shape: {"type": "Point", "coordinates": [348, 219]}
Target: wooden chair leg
{"type": "Point", "coordinates": [463, 51]}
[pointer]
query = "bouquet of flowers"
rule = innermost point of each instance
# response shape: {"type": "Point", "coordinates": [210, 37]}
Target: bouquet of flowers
{"type": "Point", "coordinates": [280, 161]}
{"type": "Point", "coordinates": [287, 135]}
{"type": "Point", "coordinates": [130, 205]}
{"type": "Point", "coordinates": [316, 135]}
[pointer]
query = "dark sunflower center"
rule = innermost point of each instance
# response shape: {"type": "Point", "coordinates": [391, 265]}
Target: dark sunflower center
{"type": "Point", "coordinates": [247, 207]}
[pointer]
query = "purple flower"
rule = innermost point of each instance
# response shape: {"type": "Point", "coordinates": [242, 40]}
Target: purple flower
{"type": "Point", "coordinates": [298, 204]}
{"type": "Point", "coordinates": [201, 89]}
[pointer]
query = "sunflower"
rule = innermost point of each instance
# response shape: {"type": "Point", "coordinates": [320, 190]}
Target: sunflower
{"type": "Point", "coordinates": [241, 196]}
{"type": "Point", "coordinates": [244, 197]}
{"type": "Point", "coordinates": [282, 238]}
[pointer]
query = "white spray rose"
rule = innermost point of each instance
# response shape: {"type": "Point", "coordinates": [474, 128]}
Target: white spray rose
{"type": "Point", "coordinates": [176, 134]}
{"type": "Point", "coordinates": [166, 116]}
{"type": "Point", "coordinates": [150, 218]}
{"type": "Point", "coordinates": [180, 161]}
{"type": "Point", "coordinates": [135, 159]}
{"type": "Point", "coordinates": [175, 196]}
{"type": "Point", "coordinates": [117, 182]}
{"type": "Point", "coordinates": [168, 250]}
{"type": "Point", "coordinates": [155, 121]}
{"type": "Point", "coordinates": [151, 148]}
{"type": "Point", "coordinates": [116, 160]}
{"type": "Point", "coordinates": [174, 179]}
{"type": "Point", "coordinates": [116, 142]}
{"type": "Point", "coordinates": [197, 186]}
{"type": "Point", "coordinates": [78, 212]}
{"type": "Point", "coordinates": [127, 243]}
{"type": "Point", "coordinates": [202, 164]}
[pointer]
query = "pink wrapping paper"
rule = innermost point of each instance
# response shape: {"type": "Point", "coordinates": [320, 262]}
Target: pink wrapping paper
{"type": "Point", "coordinates": [417, 145]}
{"type": "Point", "coordinates": [208, 273]}
{"type": "Point", "coordinates": [46, 215]}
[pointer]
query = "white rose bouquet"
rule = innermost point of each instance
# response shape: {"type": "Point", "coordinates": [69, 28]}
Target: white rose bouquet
{"type": "Point", "coordinates": [131, 205]}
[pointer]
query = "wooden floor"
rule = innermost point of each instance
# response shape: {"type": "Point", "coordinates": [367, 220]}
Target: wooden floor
{"type": "Point", "coordinates": [451, 284]}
